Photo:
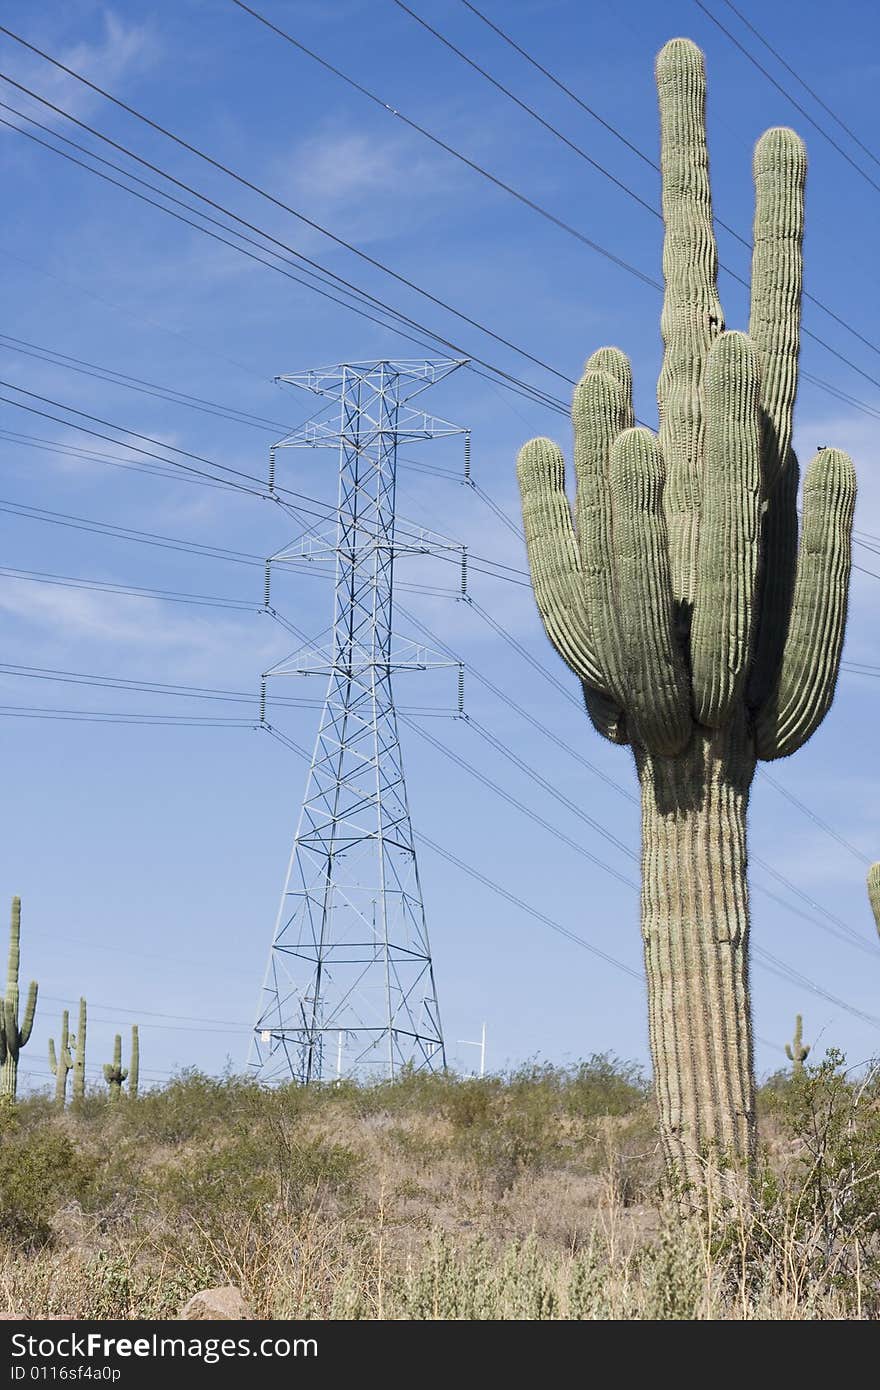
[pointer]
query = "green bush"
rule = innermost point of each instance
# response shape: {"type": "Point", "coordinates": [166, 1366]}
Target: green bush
{"type": "Point", "coordinates": [41, 1170]}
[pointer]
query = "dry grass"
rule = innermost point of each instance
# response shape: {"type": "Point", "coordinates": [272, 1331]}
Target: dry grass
{"type": "Point", "coordinates": [531, 1196]}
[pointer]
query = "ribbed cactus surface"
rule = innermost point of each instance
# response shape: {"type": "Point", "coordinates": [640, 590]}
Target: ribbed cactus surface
{"type": "Point", "coordinates": [705, 634]}
{"type": "Point", "coordinates": [797, 1051]}
{"type": "Point", "coordinates": [12, 1037]}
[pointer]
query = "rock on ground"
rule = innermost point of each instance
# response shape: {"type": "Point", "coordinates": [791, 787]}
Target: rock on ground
{"type": "Point", "coordinates": [216, 1304]}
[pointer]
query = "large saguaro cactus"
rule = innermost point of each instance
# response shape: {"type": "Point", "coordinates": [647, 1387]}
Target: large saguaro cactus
{"type": "Point", "coordinates": [12, 1037]}
{"type": "Point", "coordinates": [703, 635]}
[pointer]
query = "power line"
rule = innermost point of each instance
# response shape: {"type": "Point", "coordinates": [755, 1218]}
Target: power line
{"type": "Point", "coordinates": [113, 717]}
{"type": "Point", "coordinates": [557, 82]}
{"type": "Point", "coordinates": [68, 581]}
{"type": "Point", "coordinates": [231, 173]}
{"type": "Point", "coordinates": [326, 512]}
{"type": "Point", "coordinates": [765, 958]}
{"type": "Point", "coordinates": [59, 449]}
{"type": "Point", "coordinates": [810, 90]}
{"type": "Point", "coordinates": [142, 1013]}
{"type": "Point", "coordinates": [530, 812]}
{"type": "Point", "coordinates": [132, 383]}
{"type": "Point", "coordinates": [838, 927]}
{"type": "Point", "coordinates": [519, 387]}
{"type": "Point", "coordinates": [737, 236]}
{"type": "Point", "coordinates": [788, 96]}
{"type": "Point", "coordinates": [530, 110]}
{"type": "Point", "coordinates": [811, 815]}
{"type": "Point", "coordinates": [200, 692]}
{"type": "Point", "coordinates": [128, 533]}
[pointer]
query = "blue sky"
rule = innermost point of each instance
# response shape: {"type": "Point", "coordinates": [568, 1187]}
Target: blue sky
{"type": "Point", "coordinates": [150, 859]}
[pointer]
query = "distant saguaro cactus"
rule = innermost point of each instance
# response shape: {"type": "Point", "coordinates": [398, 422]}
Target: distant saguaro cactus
{"type": "Point", "coordinates": [114, 1073]}
{"type": "Point", "coordinates": [61, 1064]}
{"type": "Point", "coordinates": [874, 892]}
{"type": "Point", "coordinates": [79, 1060]}
{"type": "Point", "coordinates": [13, 1038]}
{"type": "Point", "coordinates": [703, 636]}
{"type": "Point", "coordinates": [797, 1051]}
{"type": "Point", "coordinates": [134, 1064]}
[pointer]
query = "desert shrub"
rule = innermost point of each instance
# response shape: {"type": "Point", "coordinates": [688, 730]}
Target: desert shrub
{"type": "Point", "coordinates": [824, 1204]}
{"type": "Point", "coordinates": [40, 1171]}
{"type": "Point", "coordinates": [604, 1085]}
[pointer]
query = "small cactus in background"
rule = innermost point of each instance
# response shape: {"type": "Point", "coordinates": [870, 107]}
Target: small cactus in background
{"type": "Point", "coordinates": [79, 1060]}
{"type": "Point", "coordinates": [134, 1064]}
{"type": "Point", "coordinates": [13, 1038]}
{"type": "Point", "coordinates": [115, 1074]}
{"type": "Point", "coordinates": [874, 892]}
{"type": "Point", "coordinates": [61, 1064]}
{"type": "Point", "coordinates": [797, 1050]}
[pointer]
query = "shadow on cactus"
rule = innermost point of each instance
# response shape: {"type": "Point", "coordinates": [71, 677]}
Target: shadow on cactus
{"type": "Point", "coordinates": [704, 635]}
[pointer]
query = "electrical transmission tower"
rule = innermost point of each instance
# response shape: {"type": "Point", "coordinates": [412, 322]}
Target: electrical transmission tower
{"type": "Point", "coordinates": [349, 986]}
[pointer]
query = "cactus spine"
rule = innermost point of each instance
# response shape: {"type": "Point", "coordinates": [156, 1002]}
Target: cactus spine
{"type": "Point", "coordinates": [79, 1060]}
{"type": "Point", "coordinates": [114, 1073]}
{"type": "Point", "coordinates": [797, 1051]}
{"type": "Point", "coordinates": [703, 636]}
{"type": "Point", "coordinates": [134, 1064]}
{"type": "Point", "coordinates": [874, 892]}
{"type": "Point", "coordinates": [63, 1063]}
{"type": "Point", "coordinates": [13, 1038]}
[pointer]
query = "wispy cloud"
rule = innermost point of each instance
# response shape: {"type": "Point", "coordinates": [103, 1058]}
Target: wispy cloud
{"type": "Point", "coordinates": [122, 49]}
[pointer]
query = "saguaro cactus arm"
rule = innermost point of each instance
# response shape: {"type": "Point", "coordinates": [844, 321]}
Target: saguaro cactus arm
{"type": "Point", "coordinates": [727, 556]}
{"type": "Point", "coordinates": [555, 562]}
{"type": "Point", "coordinates": [30, 1010]}
{"type": "Point", "coordinates": [807, 676]}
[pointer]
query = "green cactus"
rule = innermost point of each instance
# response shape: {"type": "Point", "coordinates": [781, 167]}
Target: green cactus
{"type": "Point", "coordinates": [79, 1060]}
{"type": "Point", "coordinates": [13, 1038]}
{"type": "Point", "coordinates": [703, 637]}
{"type": "Point", "coordinates": [797, 1051]}
{"type": "Point", "coordinates": [134, 1064]}
{"type": "Point", "coordinates": [874, 892]}
{"type": "Point", "coordinates": [61, 1064]}
{"type": "Point", "coordinates": [115, 1074]}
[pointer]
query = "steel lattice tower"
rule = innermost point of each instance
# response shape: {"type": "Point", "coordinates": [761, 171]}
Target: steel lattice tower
{"type": "Point", "coordinates": [349, 986]}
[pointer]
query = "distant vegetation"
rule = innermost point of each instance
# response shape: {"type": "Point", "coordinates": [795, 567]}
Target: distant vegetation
{"type": "Point", "coordinates": [532, 1195]}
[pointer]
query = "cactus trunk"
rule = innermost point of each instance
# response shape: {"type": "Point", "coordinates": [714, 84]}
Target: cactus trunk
{"type": "Point", "coordinates": [13, 1037]}
{"type": "Point", "coordinates": [695, 928]}
{"type": "Point", "coordinates": [79, 1061]}
{"type": "Point", "coordinates": [134, 1064]}
{"type": "Point", "coordinates": [9, 1083]}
